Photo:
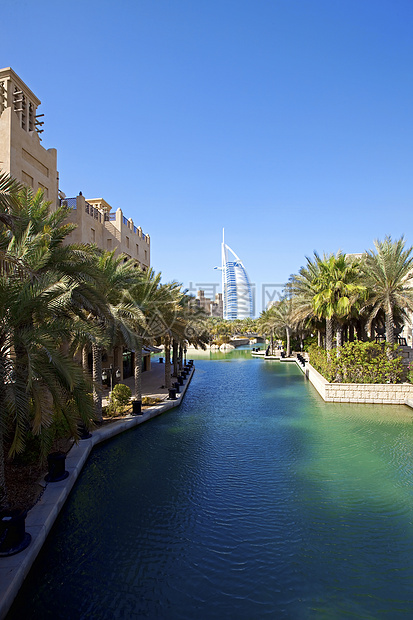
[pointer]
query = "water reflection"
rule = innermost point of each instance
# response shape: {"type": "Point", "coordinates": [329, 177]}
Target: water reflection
{"type": "Point", "coordinates": [254, 499]}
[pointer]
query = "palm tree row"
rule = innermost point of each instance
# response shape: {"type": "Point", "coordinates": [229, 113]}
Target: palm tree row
{"type": "Point", "coordinates": [57, 299]}
{"type": "Point", "coordinates": [347, 295]}
{"type": "Point", "coordinates": [223, 330]}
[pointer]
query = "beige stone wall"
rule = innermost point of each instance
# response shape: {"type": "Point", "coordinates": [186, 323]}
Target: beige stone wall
{"type": "Point", "coordinates": [24, 158]}
{"type": "Point", "coordinates": [21, 152]}
{"type": "Point", "coordinates": [109, 231]}
{"type": "Point", "coordinates": [383, 393]}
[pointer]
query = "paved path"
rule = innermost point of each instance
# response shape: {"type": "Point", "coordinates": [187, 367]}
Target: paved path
{"type": "Point", "coordinates": [153, 383]}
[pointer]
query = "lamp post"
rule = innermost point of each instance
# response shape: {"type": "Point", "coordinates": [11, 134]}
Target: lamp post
{"type": "Point", "coordinates": [110, 372]}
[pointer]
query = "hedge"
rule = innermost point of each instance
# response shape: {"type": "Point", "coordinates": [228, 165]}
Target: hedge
{"type": "Point", "coordinates": [358, 362]}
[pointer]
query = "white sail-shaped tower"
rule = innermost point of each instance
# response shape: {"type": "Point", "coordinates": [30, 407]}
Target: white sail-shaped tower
{"type": "Point", "coordinates": [236, 287]}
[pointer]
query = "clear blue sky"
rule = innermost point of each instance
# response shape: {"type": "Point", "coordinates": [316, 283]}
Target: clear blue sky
{"type": "Point", "coordinates": [288, 122]}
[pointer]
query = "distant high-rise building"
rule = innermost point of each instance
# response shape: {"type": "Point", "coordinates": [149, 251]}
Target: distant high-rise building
{"type": "Point", "coordinates": [236, 287]}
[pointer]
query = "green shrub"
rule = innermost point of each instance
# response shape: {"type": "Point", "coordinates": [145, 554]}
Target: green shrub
{"type": "Point", "coordinates": [309, 341]}
{"type": "Point", "coordinates": [121, 393]}
{"type": "Point", "coordinates": [358, 362]}
{"type": "Point", "coordinates": [150, 400]}
{"type": "Point", "coordinates": [119, 400]}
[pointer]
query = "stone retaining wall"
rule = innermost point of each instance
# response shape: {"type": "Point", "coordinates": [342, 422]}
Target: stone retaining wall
{"type": "Point", "coordinates": [379, 393]}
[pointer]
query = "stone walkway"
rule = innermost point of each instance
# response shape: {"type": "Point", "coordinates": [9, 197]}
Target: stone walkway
{"type": "Point", "coordinates": [153, 382]}
{"type": "Point", "coordinates": [40, 519]}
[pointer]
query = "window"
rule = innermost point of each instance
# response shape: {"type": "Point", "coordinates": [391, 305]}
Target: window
{"type": "Point", "coordinates": [127, 242]}
{"type": "Point", "coordinates": [44, 189]}
{"type": "Point", "coordinates": [137, 250]}
{"type": "Point", "coordinates": [27, 179]}
{"type": "Point", "coordinates": [146, 254]}
{"type": "Point", "coordinates": [109, 244]}
{"type": "Point", "coordinates": [92, 234]}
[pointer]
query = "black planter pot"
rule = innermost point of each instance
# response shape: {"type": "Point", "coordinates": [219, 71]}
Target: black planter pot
{"type": "Point", "coordinates": [180, 380]}
{"type": "Point", "coordinates": [161, 360]}
{"type": "Point", "coordinates": [56, 466]}
{"type": "Point", "coordinates": [176, 386]}
{"type": "Point", "coordinates": [13, 536]}
{"type": "Point", "coordinates": [83, 432]}
{"type": "Point", "coordinates": [136, 407]}
{"type": "Point", "coordinates": [172, 394]}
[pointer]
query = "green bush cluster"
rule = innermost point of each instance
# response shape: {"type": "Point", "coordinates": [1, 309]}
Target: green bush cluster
{"type": "Point", "coordinates": [119, 399]}
{"type": "Point", "coordinates": [358, 362]}
{"type": "Point", "coordinates": [150, 400]}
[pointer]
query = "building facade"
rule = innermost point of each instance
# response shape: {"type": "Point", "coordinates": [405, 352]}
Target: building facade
{"type": "Point", "coordinates": [21, 152]}
{"type": "Point", "coordinates": [24, 158]}
{"type": "Point", "coordinates": [110, 230]}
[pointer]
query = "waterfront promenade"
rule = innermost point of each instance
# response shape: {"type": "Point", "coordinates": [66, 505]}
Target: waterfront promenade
{"type": "Point", "coordinates": [40, 519]}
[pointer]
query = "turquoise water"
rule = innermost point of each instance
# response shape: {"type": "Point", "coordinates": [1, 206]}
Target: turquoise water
{"type": "Point", "coordinates": [254, 499]}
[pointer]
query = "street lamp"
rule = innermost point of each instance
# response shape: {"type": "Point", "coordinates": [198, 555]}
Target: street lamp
{"type": "Point", "coordinates": [109, 372]}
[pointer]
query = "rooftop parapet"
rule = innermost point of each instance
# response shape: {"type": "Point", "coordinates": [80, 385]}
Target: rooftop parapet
{"type": "Point", "coordinates": [101, 211]}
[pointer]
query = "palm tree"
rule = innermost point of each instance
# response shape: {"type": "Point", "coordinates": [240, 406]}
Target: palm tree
{"type": "Point", "coordinates": [180, 319]}
{"type": "Point", "coordinates": [386, 274]}
{"type": "Point", "coordinates": [267, 323]}
{"type": "Point", "coordinates": [9, 190]}
{"type": "Point", "coordinates": [302, 289]}
{"type": "Point", "coordinates": [117, 320]}
{"type": "Point", "coordinates": [38, 301]}
{"type": "Point", "coordinates": [327, 289]}
{"type": "Point", "coordinates": [150, 298]}
{"type": "Point", "coordinates": [278, 320]}
{"type": "Point", "coordinates": [283, 315]}
{"type": "Point", "coordinates": [338, 289]}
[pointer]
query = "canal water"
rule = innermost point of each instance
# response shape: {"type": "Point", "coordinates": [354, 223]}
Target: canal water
{"type": "Point", "coordinates": [254, 499]}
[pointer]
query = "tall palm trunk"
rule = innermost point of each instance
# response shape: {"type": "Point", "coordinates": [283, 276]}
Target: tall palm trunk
{"type": "Point", "coordinates": [319, 340]}
{"type": "Point", "coordinates": [389, 326]}
{"type": "Point", "coordinates": [288, 334]}
{"type": "Point", "coordinates": [167, 345]}
{"type": "Point", "coordinates": [175, 357]}
{"type": "Point", "coordinates": [329, 336]}
{"type": "Point", "coordinates": [85, 362]}
{"type": "Point", "coordinates": [361, 330]}
{"type": "Point", "coordinates": [339, 339]}
{"type": "Point", "coordinates": [138, 369]}
{"type": "Point", "coordinates": [180, 356]}
{"type": "Point", "coordinates": [3, 488]}
{"type": "Point", "coordinates": [390, 331]}
{"type": "Point", "coordinates": [97, 380]}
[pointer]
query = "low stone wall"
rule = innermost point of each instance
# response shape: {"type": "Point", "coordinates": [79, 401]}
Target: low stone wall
{"type": "Point", "coordinates": [379, 393]}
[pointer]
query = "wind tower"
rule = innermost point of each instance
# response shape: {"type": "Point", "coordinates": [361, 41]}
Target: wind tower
{"type": "Point", "coordinates": [21, 153]}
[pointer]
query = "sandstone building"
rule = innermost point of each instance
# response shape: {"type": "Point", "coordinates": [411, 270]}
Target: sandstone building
{"type": "Point", "coordinates": [23, 156]}
{"type": "Point", "coordinates": [21, 153]}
